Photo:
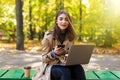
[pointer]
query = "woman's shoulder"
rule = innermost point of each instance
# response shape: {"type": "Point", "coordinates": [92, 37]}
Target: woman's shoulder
{"type": "Point", "coordinates": [48, 34]}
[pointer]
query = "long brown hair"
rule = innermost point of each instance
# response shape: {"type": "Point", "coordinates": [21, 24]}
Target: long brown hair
{"type": "Point", "coordinates": [70, 33]}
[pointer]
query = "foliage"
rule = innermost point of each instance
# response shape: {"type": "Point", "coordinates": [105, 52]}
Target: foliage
{"type": "Point", "coordinates": [7, 17]}
{"type": "Point", "coordinates": [100, 18]}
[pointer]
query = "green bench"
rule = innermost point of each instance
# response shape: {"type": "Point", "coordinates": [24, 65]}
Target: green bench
{"type": "Point", "coordinates": [18, 74]}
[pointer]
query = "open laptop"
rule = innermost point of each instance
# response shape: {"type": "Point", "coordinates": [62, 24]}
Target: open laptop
{"type": "Point", "coordinates": [79, 54]}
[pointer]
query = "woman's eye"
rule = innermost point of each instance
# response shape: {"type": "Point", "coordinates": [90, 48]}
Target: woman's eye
{"type": "Point", "coordinates": [60, 19]}
{"type": "Point", "coordinates": [66, 19]}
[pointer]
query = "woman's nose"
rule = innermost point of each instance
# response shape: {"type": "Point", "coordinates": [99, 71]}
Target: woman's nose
{"type": "Point", "coordinates": [64, 21]}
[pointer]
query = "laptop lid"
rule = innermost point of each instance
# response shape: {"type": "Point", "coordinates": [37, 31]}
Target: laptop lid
{"type": "Point", "coordinates": [79, 54]}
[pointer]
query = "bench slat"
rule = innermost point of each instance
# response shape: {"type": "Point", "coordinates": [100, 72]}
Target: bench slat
{"type": "Point", "coordinates": [18, 74]}
{"type": "Point", "coordinates": [116, 73]}
{"type": "Point", "coordinates": [106, 75]}
{"type": "Point", "coordinates": [90, 75]}
{"type": "Point", "coordinates": [13, 74]}
{"type": "Point", "coordinates": [2, 72]}
{"type": "Point", "coordinates": [32, 73]}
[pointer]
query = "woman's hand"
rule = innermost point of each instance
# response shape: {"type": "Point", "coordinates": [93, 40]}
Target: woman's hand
{"type": "Point", "coordinates": [59, 50]}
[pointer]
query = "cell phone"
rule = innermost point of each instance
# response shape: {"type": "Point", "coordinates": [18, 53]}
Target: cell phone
{"type": "Point", "coordinates": [61, 45]}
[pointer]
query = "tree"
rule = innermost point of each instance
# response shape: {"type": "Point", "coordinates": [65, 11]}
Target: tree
{"type": "Point", "coordinates": [32, 29]}
{"type": "Point", "coordinates": [59, 5]}
{"type": "Point", "coordinates": [80, 28]}
{"type": "Point", "coordinates": [19, 27]}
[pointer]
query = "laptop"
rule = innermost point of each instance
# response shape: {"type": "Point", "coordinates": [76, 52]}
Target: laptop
{"type": "Point", "coordinates": [79, 54]}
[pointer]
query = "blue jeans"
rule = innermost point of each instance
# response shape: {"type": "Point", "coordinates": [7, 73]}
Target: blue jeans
{"type": "Point", "coordinates": [75, 72]}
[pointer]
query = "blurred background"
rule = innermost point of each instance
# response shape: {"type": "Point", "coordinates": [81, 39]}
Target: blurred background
{"type": "Point", "coordinates": [24, 22]}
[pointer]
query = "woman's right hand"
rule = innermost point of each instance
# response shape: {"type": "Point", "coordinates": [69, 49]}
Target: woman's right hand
{"type": "Point", "coordinates": [59, 50]}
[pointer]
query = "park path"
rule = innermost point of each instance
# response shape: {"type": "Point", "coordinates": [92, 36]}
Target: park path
{"type": "Point", "coordinates": [11, 59]}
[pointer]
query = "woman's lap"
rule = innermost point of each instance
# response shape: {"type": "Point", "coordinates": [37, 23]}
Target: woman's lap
{"type": "Point", "coordinates": [66, 72]}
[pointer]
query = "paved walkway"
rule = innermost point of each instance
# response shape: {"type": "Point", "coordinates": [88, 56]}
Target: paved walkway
{"type": "Point", "coordinates": [18, 59]}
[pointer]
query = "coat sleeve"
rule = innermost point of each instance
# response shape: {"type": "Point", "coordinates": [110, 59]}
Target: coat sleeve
{"type": "Point", "coordinates": [46, 51]}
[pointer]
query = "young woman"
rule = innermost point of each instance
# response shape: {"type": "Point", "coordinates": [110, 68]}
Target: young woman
{"type": "Point", "coordinates": [53, 55]}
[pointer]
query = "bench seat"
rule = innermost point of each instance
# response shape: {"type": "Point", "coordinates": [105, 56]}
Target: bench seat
{"type": "Point", "coordinates": [18, 74]}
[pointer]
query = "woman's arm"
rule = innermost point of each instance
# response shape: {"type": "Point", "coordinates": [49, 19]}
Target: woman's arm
{"type": "Point", "coordinates": [46, 51]}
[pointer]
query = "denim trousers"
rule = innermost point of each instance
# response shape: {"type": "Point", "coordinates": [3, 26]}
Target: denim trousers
{"type": "Point", "coordinates": [75, 72]}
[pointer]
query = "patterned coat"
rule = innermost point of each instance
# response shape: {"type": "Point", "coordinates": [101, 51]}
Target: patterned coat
{"type": "Point", "coordinates": [48, 43]}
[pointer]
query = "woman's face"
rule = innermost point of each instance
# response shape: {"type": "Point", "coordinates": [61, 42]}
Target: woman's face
{"type": "Point", "coordinates": [62, 21]}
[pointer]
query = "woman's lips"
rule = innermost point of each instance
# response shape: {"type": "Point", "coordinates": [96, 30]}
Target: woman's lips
{"type": "Point", "coordinates": [63, 25]}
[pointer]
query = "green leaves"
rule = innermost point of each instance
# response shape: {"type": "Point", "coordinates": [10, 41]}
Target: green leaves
{"type": "Point", "coordinates": [97, 16]}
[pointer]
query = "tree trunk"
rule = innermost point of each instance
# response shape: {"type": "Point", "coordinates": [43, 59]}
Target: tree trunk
{"type": "Point", "coordinates": [59, 5]}
{"type": "Point", "coordinates": [80, 28]}
{"type": "Point", "coordinates": [31, 35]}
{"type": "Point", "coordinates": [19, 27]}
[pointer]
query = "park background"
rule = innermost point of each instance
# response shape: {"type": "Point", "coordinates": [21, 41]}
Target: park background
{"type": "Point", "coordinates": [23, 23]}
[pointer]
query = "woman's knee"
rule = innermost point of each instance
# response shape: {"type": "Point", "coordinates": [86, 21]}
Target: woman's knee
{"type": "Point", "coordinates": [79, 67]}
{"type": "Point", "coordinates": [65, 71]}
{"type": "Point", "coordinates": [61, 71]}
